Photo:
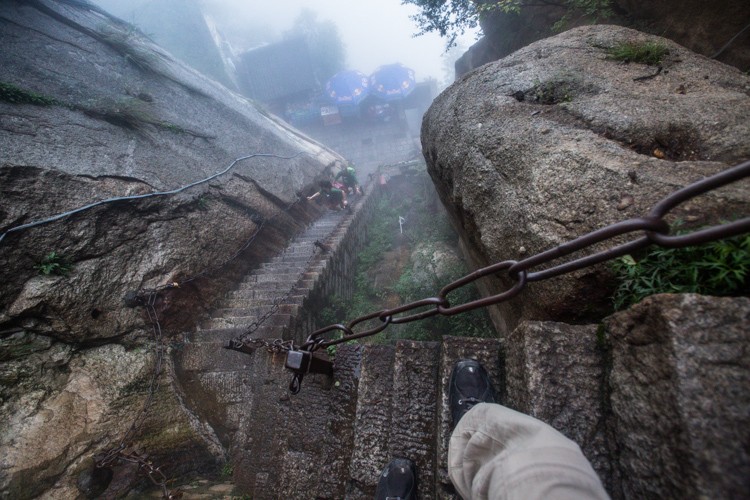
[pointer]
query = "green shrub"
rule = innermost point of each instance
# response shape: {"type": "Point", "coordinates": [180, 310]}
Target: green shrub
{"type": "Point", "coordinates": [650, 53]}
{"type": "Point", "coordinates": [719, 268]}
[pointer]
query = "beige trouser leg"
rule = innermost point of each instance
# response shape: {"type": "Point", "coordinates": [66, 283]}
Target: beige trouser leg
{"type": "Point", "coordinates": [499, 453]}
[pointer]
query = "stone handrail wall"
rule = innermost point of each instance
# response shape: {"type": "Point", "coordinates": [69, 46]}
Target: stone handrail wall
{"type": "Point", "coordinates": [336, 278]}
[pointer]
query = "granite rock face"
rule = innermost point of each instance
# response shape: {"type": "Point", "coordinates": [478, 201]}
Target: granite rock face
{"type": "Point", "coordinates": [557, 140]}
{"type": "Point", "coordinates": [124, 118]}
{"type": "Point", "coordinates": [91, 110]}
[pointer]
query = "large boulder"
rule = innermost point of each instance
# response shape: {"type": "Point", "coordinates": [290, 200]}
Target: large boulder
{"type": "Point", "coordinates": [557, 140]}
{"type": "Point", "coordinates": [92, 110]}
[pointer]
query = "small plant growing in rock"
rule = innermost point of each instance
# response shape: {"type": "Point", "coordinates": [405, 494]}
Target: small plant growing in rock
{"type": "Point", "coordinates": [650, 53]}
{"type": "Point", "coordinates": [717, 268]}
{"type": "Point", "coordinates": [53, 263]}
{"type": "Point", "coordinates": [227, 470]}
{"type": "Point", "coordinates": [202, 202]}
{"type": "Point", "coordinates": [551, 92]}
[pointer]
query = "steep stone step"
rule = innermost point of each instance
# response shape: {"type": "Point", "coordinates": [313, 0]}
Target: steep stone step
{"type": "Point", "coordinates": [395, 417]}
{"type": "Point", "coordinates": [488, 353]}
{"type": "Point", "coordinates": [267, 294]}
{"type": "Point", "coordinates": [300, 248]}
{"type": "Point", "coordinates": [253, 310]}
{"type": "Point", "coordinates": [315, 266]}
{"type": "Point", "coordinates": [294, 258]}
{"type": "Point", "coordinates": [275, 285]}
{"type": "Point", "coordinates": [209, 356]}
{"type": "Point", "coordinates": [291, 300]}
{"type": "Point", "coordinates": [320, 432]}
{"type": "Point", "coordinates": [203, 350]}
{"type": "Point", "coordinates": [222, 335]}
{"type": "Point", "coordinates": [277, 275]}
{"type": "Point", "coordinates": [244, 321]}
{"type": "Point", "coordinates": [372, 421]}
{"type": "Point", "coordinates": [414, 409]}
{"type": "Point", "coordinates": [555, 373]}
{"type": "Point", "coordinates": [301, 445]}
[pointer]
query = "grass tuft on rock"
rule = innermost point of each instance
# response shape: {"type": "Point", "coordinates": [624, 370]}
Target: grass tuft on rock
{"type": "Point", "coordinates": [651, 53]}
{"type": "Point", "coordinates": [54, 264]}
{"type": "Point", "coordinates": [16, 95]}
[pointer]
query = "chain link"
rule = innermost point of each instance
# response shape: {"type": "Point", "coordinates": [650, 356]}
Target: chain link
{"type": "Point", "coordinates": [655, 230]}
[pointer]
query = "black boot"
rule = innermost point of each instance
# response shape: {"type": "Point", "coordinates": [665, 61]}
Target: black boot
{"type": "Point", "coordinates": [470, 384]}
{"type": "Point", "coordinates": [398, 481]}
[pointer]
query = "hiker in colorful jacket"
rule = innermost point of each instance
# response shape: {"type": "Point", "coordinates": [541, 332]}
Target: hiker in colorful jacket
{"type": "Point", "coordinates": [334, 198]}
{"type": "Point", "coordinates": [348, 178]}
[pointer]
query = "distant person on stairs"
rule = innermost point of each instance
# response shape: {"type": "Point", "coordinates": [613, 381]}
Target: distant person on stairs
{"type": "Point", "coordinates": [334, 198]}
{"type": "Point", "coordinates": [348, 178]}
{"type": "Point", "coordinates": [498, 453]}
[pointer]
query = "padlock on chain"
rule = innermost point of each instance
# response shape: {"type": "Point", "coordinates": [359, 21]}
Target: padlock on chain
{"type": "Point", "coordinates": [303, 362]}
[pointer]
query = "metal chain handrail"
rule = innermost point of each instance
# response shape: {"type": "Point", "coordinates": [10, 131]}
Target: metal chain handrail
{"type": "Point", "coordinates": [170, 192]}
{"type": "Point", "coordinates": [656, 231]}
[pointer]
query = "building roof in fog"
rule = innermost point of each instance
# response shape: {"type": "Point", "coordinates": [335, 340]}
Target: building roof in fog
{"type": "Point", "coordinates": [278, 70]}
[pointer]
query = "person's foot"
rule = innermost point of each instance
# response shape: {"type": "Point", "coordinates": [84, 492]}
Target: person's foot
{"type": "Point", "coordinates": [469, 385]}
{"type": "Point", "coordinates": [398, 481]}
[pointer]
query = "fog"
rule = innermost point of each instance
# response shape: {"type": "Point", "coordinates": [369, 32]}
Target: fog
{"type": "Point", "coordinates": [374, 32]}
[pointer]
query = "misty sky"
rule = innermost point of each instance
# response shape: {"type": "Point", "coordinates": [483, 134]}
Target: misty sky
{"type": "Point", "coordinates": [375, 32]}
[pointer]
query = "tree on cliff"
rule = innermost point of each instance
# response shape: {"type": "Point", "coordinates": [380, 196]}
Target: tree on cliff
{"type": "Point", "coordinates": [451, 18]}
{"type": "Point", "coordinates": [327, 51]}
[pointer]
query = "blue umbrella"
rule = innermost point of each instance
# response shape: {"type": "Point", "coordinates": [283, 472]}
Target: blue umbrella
{"type": "Point", "coordinates": [347, 87]}
{"type": "Point", "coordinates": [392, 82]}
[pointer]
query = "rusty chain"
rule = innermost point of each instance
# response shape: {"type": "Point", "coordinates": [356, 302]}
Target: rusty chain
{"type": "Point", "coordinates": [655, 230]}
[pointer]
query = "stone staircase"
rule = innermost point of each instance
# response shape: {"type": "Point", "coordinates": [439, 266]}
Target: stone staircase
{"type": "Point", "coordinates": [216, 382]}
{"type": "Point", "coordinates": [334, 437]}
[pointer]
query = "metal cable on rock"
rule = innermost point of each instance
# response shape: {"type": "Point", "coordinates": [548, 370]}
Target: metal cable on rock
{"type": "Point", "coordinates": [142, 196]}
